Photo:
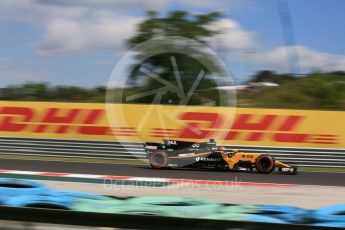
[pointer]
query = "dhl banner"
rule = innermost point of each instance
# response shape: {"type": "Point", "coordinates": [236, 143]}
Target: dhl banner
{"type": "Point", "coordinates": [125, 122]}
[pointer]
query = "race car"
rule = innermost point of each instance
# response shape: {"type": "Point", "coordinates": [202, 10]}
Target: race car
{"type": "Point", "coordinates": [207, 155]}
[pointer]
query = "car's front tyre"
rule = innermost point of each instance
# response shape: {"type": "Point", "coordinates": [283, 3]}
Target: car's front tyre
{"type": "Point", "coordinates": [265, 164]}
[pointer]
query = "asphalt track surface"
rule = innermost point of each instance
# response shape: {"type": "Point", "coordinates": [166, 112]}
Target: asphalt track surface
{"type": "Point", "coordinates": [304, 178]}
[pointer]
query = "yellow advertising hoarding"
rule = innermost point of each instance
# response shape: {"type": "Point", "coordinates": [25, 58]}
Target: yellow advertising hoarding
{"type": "Point", "coordinates": [120, 122]}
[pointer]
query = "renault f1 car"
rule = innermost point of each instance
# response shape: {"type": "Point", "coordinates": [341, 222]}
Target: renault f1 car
{"type": "Point", "coordinates": [183, 154]}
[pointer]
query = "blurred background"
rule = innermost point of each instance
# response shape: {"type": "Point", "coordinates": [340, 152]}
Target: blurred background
{"type": "Point", "coordinates": [285, 54]}
{"type": "Point", "coordinates": [282, 54]}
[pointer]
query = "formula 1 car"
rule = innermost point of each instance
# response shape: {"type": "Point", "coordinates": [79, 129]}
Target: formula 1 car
{"type": "Point", "coordinates": [183, 154]}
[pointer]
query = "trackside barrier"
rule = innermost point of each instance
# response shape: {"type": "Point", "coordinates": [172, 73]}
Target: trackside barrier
{"type": "Point", "coordinates": [79, 204]}
{"type": "Point", "coordinates": [14, 188]}
{"type": "Point", "coordinates": [132, 151]}
{"type": "Point", "coordinates": [92, 219]}
{"type": "Point", "coordinates": [333, 216]}
{"type": "Point", "coordinates": [90, 131]}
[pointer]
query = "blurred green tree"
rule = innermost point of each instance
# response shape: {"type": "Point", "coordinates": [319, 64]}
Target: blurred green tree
{"type": "Point", "coordinates": [182, 24]}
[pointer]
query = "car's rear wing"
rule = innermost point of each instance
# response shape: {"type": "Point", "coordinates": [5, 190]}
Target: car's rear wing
{"type": "Point", "coordinates": [177, 147]}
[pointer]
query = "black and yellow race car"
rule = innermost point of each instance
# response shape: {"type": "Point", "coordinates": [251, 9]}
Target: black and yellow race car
{"type": "Point", "coordinates": [183, 154]}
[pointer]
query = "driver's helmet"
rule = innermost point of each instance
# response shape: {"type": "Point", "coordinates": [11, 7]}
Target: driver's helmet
{"type": "Point", "coordinates": [235, 151]}
{"type": "Point", "coordinates": [221, 149]}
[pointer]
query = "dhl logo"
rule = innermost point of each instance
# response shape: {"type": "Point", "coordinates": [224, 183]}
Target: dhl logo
{"type": "Point", "coordinates": [252, 127]}
{"type": "Point", "coordinates": [245, 127]}
{"type": "Point", "coordinates": [58, 121]}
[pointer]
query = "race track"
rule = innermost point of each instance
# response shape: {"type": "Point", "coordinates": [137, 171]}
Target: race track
{"type": "Point", "coordinates": [305, 178]}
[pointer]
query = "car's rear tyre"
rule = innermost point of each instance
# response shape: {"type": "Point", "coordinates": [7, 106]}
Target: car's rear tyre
{"type": "Point", "coordinates": [265, 164]}
{"type": "Point", "coordinates": [159, 159]}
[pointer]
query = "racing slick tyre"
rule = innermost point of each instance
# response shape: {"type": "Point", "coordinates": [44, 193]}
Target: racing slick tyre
{"type": "Point", "coordinates": [159, 159]}
{"type": "Point", "coordinates": [265, 164]}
